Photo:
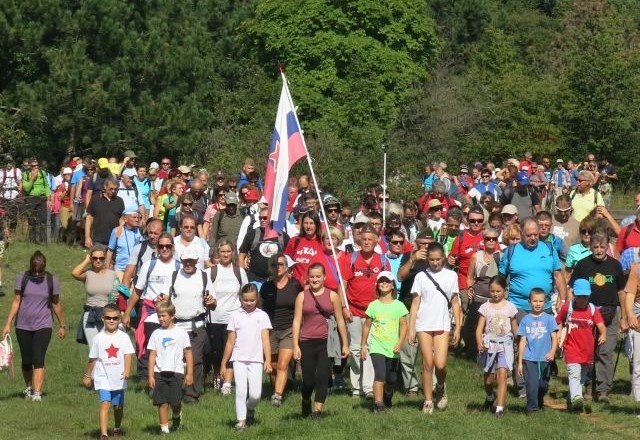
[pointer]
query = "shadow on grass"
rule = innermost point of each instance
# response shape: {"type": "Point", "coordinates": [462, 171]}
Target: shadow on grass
{"type": "Point", "coordinates": [11, 396]}
{"type": "Point", "coordinates": [616, 409]}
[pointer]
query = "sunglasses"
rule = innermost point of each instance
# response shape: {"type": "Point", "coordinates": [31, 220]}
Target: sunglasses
{"type": "Point", "coordinates": [188, 227]}
{"type": "Point", "coordinates": [263, 217]}
{"type": "Point", "coordinates": [187, 204]}
{"type": "Point", "coordinates": [486, 177]}
{"type": "Point", "coordinates": [333, 210]}
{"type": "Point", "coordinates": [165, 246]}
{"type": "Point", "coordinates": [166, 163]}
{"type": "Point", "coordinates": [111, 318]}
{"type": "Point", "coordinates": [476, 221]}
{"type": "Point", "coordinates": [189, 262]}
{"type": "Point", "coordinates": [97, 258]}
{"type": "Point", "coordinates": [397, 241]}
{"type": "Point", "coordinates": [491, 238]}
{"type": "Point", "coordinates": [585, 231]}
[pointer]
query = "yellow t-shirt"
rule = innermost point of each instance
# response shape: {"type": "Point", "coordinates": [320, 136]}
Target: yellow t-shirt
{"type": "Point", "coordinates": [583, 204]}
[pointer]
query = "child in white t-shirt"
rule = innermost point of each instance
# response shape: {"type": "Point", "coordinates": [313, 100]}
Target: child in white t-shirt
{"type": "Point", "coordinates": [110, 359]}
{"type": "Point", "coordinates": [168, 346]}
{"type": "Point", "coordinates": [435, 292]}
{"type": "Point", "coordinates": [248, 345]}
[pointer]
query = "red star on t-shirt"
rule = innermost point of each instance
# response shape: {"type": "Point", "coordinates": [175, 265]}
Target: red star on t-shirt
{"type": "Point", "coordinates": [112, 351]}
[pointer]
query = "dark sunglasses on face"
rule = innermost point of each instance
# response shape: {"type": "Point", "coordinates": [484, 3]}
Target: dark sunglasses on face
{"type": "Point", "coordinates": [187, 204]}
{"type": "Point", "coordinates": [165, 246]}
{"type": "Point", "coordinates": [333, 210]}
{"type": "Point", "coordinates": [491, 238]}
{"type": "Point", "coordinates": [585, 231]}
{"type": "Point", "coordinates": [263, 218]}
{"type": "Point", "coordinates": [111, 318]}
{"type": "Point", "coordinates": [97, 258]}
{"type": "Point", "coordinates": [475, 221]}
{"type": "Point", "coordinates": [188, 227]}
{"type": "Point", "coordinates": [397, 241]}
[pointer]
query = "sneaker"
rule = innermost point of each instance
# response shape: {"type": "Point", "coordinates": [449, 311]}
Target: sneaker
{"type": "Point", "coordinates": [117, 432]}
{"type": "Point", "coordinates": [36, 398]}
{"type": "Point", "coordinates": [316, 415]}
{"type": "Point", "coordinates": [226, 389]}
{"type": "Point", "coordinates": [306, 408]}
{"type": "Point", "coordinates": [338, 382]}
{"type": "Point", "coordinates": [368, 395]}
{"type": "Point", "coordinates": [103, 437]}
{"type": "Point", "coordinates": [441, 396]}
{"type": "Point", "coordinates": [355, 394]}
{"type": "Point", "coordinates": [488, 402]}
{"type": "Point", "coordinates": [603, 397]}
{"type": "Point", "coordinates": [427, 408]}
{"type": "Point", "coordinates": [522, 394]}
{"type": "Point", "coordinates": [276, 400]}
{"type": "Point", "coordinates": [577, 403]}
{"type": "Point", "coordinates": [240, 426]}
{"type": "Point", "coordinates": [27, 392]}
{"type": "Point", "coordinates": [176, 422]}
{"type": "Point", "coordinates": [251, 417]}
{"type": "Point", "coordinates": [499, 414]}
{"type": "Point", "coordinates": [378, 408]}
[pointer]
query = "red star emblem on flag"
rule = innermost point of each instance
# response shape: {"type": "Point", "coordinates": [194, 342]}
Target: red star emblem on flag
{"type": "Point", "coordinates": [112, 351]}
{"type": "Point", "coordinates": [275, 155]}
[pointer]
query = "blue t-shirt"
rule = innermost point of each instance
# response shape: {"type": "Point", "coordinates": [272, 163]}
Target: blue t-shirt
{"type": "Point", "coordinates": [123, 246]}
{"type": "Point", "coordinates": [529, 268]}
{"type": "Point", "coordinates": [537, 331]}
{"type": "Point", "coordinates": [77, 176]}
{"type": "Point", "coordinates": [144, 190]}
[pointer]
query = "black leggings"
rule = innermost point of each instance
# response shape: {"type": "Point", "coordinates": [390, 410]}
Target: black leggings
{"type": "Point", "coordinates": [385, 369]}
{"type": "Point", "coordinates": [33, 347]}
{"type": "Point", "coordinates": [218, 335]}
{"type": "Point", "coordinates": [315, 369]}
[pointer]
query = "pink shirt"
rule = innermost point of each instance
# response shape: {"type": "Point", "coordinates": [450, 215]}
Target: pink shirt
{"type": "Point", "coordinates": [248, 328]}
{"type": "Point", "coordinates": [314, 325]}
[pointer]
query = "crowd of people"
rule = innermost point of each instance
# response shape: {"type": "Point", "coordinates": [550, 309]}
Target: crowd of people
{"type": "Point", "coordinates": [512, 266]}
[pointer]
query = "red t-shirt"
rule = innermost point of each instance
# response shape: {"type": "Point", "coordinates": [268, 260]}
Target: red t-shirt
{"type": "Point", "coordinates": [464, 250]}
{"type": "Point", "coordinates": [579, 344]}
{"type": "Point", "coordinates": [302, 250]}
{"type": "Point", "coordinates": [627, 238]}
{"type": "Point", "coordinates": [384, 246]}
{"type": "Point", "coordinates": [361, 281]}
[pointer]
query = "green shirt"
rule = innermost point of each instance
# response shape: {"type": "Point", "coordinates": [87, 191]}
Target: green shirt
{"type": "Point", "coordinates": [39, 187]}
{"type": "Point", "coordinates": [385, 329]}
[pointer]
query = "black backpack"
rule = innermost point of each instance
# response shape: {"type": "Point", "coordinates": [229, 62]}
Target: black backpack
{"type": "Point", "coordinates": [26, 277]}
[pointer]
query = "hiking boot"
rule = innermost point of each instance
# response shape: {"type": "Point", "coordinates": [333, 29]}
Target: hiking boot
{"type": "Point", "coordinates": [240, 426]}
{"type": "Point", "coordinates": [176, 422]}
{"type": "Point", "coordinates": [251, 417]}
{"type": "Point", "coordinates": [306, 408]}
{"type": "Point", "coordinates": [368, 395]}
{"type": "Point", "coordinates": [226, 389]}
{"type": "Point", "coordinates": [441, 396]}
{"type": "Point", "coordinates": [488, 402]}
{"type": "Point", "coordinates": [117, 432]}
{"type": "Point", "coordinates": [378, 408]}
{"type": "Point", "coordinates": [427, 408]}
{"type": "Point", "coordinates": [603, 397]}
{"type": "Point", "coordinates": [577, 403]}
{"type": "Point", "coordinates": [276, 400]}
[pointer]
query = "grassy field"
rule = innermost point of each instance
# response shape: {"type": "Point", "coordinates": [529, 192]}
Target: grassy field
{"type": "Point", "coordinates": [69, 411]}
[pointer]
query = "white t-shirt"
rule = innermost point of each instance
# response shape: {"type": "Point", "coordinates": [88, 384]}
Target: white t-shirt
{"type": "Point", "coordinates": [436, 225]}
{"type": "Point", "coordinates": [157, 279]}
{"type": "Point", "coordinates": [148, 253]}
{"type": "Point", "coordinates": [9, 179]}
{"type": "Point", "coordinates": [169, 345]}
{"type": "Point", "coordinates": [248, 328]}
{"type": "Point", "coordinates": [109, 350]}
{"type": "Point", "coordinates": [226, 290]}
{"type": "Point", "coordinates": [200, 245]}
{"type": "Point", "coordinates": [433, 313]}
{"type": "Point", "coordinates": [187, 297]}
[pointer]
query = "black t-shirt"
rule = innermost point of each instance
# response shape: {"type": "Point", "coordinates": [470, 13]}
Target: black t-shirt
{"type": "Point", "coordinates": [261, 254]}
{"type": "Point", "coordinates": [407, 284]}
{"type": "Point", "coordinates": [280, 304]}
{"type": "Point", "coordinates": [606, 279]}
{"type": "Point", "coordinates": [106, 215]}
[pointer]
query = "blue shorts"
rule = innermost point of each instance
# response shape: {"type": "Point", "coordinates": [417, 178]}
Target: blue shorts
{"type": "Point", "coordinates": [115, 397]}
{"type": "Point", "coordinates": [498, 362]}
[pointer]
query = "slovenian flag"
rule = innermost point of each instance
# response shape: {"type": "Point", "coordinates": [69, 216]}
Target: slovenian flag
{"type": "Point", "coordinates": [287, 148]}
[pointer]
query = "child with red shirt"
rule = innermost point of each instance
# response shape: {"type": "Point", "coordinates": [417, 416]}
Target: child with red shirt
{"type": "Point", "coordinates": [580, 317]}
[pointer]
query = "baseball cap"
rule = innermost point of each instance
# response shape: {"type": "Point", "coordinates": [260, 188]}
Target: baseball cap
{"type": "Point", "coordinates": [252, 195]}
{"type": "Point", "coordinates": [231, 198]}
{"type": "Point", "coordinates": [184, 169]}
{"type": "Point", "coordinates": [425, 232]}
{"type": "Point", "coordinates": [129, 154]}
{"type": "Point", "coordinates": [387, 275]}
{"type": "Point", "coordinates": [509, 209]}
{"type": "Point", "coordinates": [154, 165]}
{"type": "Point", "coordinates": [559, 161]}
{"type": "Point", "coordinates": [581, 287]}
{"type": "Point", "coordinates": [67, 170]}
{"type": "Point", "coordinates": [523, 178]}
{"type": "Point", "coordinates": [189, 254]}
{"type": "Point", "coordinates": [464, 169]}
{"type": "Point", "coordinates": [103, 162]}
{"type": "Point", "coordinates": [330, 200]}
{"type": "Point", "coordinates": [360, 218]}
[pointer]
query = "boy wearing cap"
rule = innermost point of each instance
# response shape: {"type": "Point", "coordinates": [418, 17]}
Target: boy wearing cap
{"type": "Point", "coordinates": [579, 317]}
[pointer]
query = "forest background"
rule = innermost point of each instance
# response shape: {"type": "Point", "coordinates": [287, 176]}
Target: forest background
{"type": "Point", "coordinates": [452, 80]}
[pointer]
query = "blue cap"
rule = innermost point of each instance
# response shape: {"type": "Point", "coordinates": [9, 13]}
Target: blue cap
{"type": "Point", "coordinates": [523, 178]}
{"type": "Point", "coordinates": [581, 287]}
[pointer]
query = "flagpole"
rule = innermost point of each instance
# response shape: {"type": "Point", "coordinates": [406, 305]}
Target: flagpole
{"type": "Point", "coordinates": [384, 187]}
{"type": "Point", "coordinates": [317, 188]}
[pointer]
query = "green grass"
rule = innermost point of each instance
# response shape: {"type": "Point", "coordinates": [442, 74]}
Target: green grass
{"type": "Point", "coordinates": [69, 411]}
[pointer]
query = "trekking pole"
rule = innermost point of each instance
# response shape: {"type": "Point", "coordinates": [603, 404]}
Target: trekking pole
{"type": "Point", "coordinates": [621, 345]}
{"type": "Point", "coordinates": [415, 361]}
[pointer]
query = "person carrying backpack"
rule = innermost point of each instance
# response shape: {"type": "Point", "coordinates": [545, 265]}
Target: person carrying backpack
{"type": "Point", "coordinates": [37, 201]}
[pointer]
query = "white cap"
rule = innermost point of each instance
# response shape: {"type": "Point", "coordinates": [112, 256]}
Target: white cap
{"type": "Point", "coordinates": [154, 165]}
{"type": "Point", "coordinates": [386, 274]}
{"type": "Point", "coordinates": [360, 218]}
{"type": "Point", "coordinates": [67, 170]}
{"type": "Point", "coordinates": [189, 254]}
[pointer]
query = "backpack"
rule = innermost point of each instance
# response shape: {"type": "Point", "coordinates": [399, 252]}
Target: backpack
{"type": "Point", "coordinates": [174, 276]}
{"type": "Point", "coordinates": [511, 250]}
{"type": "Point", "coordinates": [236, 272]}
{"type": "Point", "coordinates": [627, 231]}
{"type": "Point", "coordinates": [4, 178]}
{"type": "Point", "coordinates": [26, 277]}
{"type": "Point", "coordinates": [6, 355]}
{"type": "Point", "coordinates": [565, 330]}
{"type": "Point", "coordinates": [383, 261]}
{"type": "Point", "coordinates": [595, 196]}
{"type": "Point", "coordinates": [256, 242]}
{"type": "Point", "coordinates": [143, 248]}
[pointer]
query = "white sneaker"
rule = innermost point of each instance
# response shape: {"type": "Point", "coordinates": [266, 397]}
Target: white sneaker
{"type": "Point", "coordinates": [427, 408]}
{"type": "Point", "coordinates": [226, 389]}
{"type": "Point", "coordinates": [441, 397]}
{"type": "Point", "coordinates": [36, 398]}
{"type": "Point", "coordinates": [27, 392]}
